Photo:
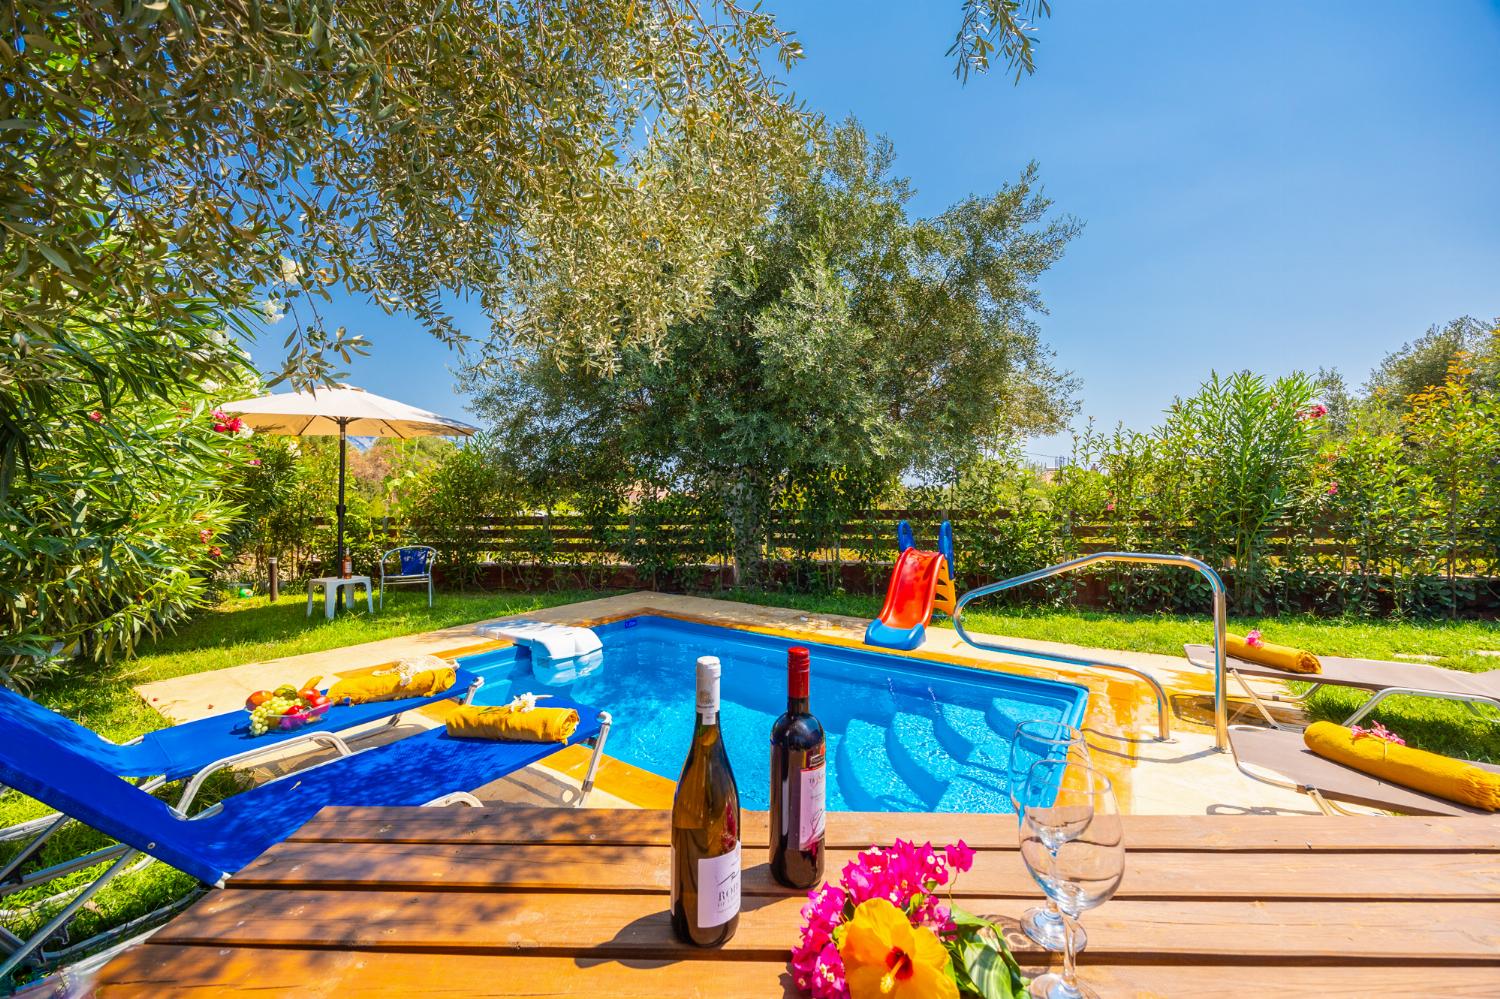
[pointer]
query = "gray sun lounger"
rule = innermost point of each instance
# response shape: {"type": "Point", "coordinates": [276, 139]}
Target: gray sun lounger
{"type": "Point", "coordinates": [1381, 677]}
{"type": "Point", "coordinates": [1267, 755]}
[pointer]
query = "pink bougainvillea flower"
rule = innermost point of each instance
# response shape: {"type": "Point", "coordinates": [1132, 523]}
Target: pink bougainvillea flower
{"type": "Point", "coordinates": [828, 974]}
{"type": "Point", "coordinates": [96, 416]}
{"type": "Point", "coordinates": [1377, 731]}
{"type": "Point", "coordinates": [960, 856]}
{"type": "Point", "coordinates": [1253, 639]}
{"type": "Point", "coordinates": [904, 878]}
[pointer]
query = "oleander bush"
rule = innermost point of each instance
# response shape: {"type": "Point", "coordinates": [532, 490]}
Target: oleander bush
{"type": "Point", "coordinates": [113, 524]}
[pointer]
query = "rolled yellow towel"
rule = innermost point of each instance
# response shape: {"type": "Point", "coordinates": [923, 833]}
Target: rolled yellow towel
{"type": "Point", "coordinates": [1275, 656]}
{"type": "Point", "coordinates": [1442, 776]}
{"type": "Point", "coordinates": [388, 685]}
{"type": "Point", "coordinates": [508, 721]}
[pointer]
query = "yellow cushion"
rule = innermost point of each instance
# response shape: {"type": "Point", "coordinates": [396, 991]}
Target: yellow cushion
{"type": "Point", "coordinates": [509, 722]}
{"type": "Point", "coordinates": [387, 686]}
{"type": "Point", "coordinates": [1275, 656]}
{"type": "Point", "coordinates": [1441, 776]}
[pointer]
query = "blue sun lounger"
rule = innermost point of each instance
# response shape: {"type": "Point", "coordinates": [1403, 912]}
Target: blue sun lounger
{"type": "Point", "coordinates": [197, 749]}
{"type": "Point", "coordinates": [53, 764]}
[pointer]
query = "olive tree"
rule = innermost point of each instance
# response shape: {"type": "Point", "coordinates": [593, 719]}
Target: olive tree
{"type": "Point", "coordinates": [846, 344]}
{"type": "Point", "coordinates": [261, 153]}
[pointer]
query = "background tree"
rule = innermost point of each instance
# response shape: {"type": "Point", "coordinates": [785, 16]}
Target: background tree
{"type": "Point", "coordinates": [847, 342]}
{"type": "Point", "coordinates": [1425, 362]}
{"type": "Point", "coordinates": [262, 152]}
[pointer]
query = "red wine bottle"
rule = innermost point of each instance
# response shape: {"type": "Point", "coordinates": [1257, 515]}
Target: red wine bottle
{"type": "Point", "coordinates": [798, 749]}
{"type": "Point", "coordinates": [706, 828]}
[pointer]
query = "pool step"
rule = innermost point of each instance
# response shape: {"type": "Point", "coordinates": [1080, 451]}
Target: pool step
{"type": "Point", "coordinates": [868, 780]}
{"type": "Point", "coordinates": [917, 753]}
{"type": "Point", "coordinates": [1003, 716]}
{"type": "Point", "coordinates": [922, 704]}
{"type": "Point", "coordinates": [975, 793]}
{"type": "Point", "coordinates": [988, 749]}
{"type": "Point", "coordinates": [919, 756]}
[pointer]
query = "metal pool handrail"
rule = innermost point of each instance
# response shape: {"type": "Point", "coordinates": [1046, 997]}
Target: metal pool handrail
{"type": "Point", "coordinates": [1163, 710]}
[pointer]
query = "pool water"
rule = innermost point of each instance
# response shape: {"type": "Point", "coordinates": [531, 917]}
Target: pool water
{"type": "Point", "coordinates": [904, 735]}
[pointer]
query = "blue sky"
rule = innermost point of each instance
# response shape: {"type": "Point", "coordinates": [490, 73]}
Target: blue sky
{"type": "Point", "coordinates": [1264, 185]}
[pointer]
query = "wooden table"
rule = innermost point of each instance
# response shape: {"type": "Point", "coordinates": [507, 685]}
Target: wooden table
{"type": "Point", "coordinates": [551, 902]}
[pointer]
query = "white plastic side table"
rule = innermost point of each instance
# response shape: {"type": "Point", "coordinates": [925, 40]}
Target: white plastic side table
{"type": "Point", "coordinates": [331, 587]}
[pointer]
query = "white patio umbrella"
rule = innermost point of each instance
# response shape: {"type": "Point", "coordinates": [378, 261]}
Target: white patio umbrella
{"type": "Point", "coordinates": [342, 410]}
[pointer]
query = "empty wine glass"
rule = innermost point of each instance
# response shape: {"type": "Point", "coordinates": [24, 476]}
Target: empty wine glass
{"type": "Point", "coordinates": [1071, 843]}
{"type": "Point", "coordinates": [1042, 740]}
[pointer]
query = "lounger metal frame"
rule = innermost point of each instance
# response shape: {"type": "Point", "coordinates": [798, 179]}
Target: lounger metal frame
{"type": "Point", "coordinates": [1325, 805]}
{"type": "Point", "coordinates": [1163, 706]}
{"type": "Point", "coordinates": [1469, 701]}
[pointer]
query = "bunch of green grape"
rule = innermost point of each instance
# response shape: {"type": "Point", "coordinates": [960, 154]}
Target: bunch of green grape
{"type": "Point", "coordinates": [267, 715]}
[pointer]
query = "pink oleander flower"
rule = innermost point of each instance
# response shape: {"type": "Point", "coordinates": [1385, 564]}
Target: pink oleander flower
{"type": "Point", "coordinates": [1333, 489]}
{"type": "Point", "coordinates": [1109, 507]}
{"type": "Point", "coordinates": [1377, 731]}
{"type": "Point", "coordinates": [204, 535]}
{"type": "Point", "coordinates": [1253, 639]}
{"type": "Point", "coordinates": [226, 424]}
{"type": "Point", "coordinates": [1314, 412]}
{"type": "Point", "coordinates": [214, 552]}
{"type": "Point", "coordinates": [96, 416]}
{"type": "Point", "coordinates": [254, 463]}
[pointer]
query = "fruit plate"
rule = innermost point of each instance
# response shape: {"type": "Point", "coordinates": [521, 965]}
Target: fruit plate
{"type": "Point", "coordinates": [296, 719]}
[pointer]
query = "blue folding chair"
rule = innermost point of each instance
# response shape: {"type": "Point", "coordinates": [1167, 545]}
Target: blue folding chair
{"type": "Point", "coordinates": [42, 760]}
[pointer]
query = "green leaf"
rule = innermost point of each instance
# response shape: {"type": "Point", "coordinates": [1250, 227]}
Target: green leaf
{"type": "Point", "coordinates": [991, 968]}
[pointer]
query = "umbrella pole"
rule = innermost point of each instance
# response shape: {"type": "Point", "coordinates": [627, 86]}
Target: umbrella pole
{"type": "Point", "coordinates": [338, 555]}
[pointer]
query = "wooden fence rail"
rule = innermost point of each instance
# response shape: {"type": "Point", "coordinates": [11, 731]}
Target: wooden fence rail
{"type": "Point", "coordinates": [869, 536]}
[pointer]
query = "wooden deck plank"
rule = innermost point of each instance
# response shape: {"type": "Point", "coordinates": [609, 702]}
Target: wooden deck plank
{"type": "Point", "coordinates": [857, 830]}
{"type": "Point", "coordinates": [152, 970]}
{"type": "Point", "coordinates": [621, 926]}
{"type": "Point", "coordinates": [602, 868]}
{"type": "Point", "coordinates": [529, 902]}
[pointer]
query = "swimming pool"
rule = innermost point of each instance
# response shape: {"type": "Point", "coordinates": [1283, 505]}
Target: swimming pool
{"type": "Point", "coordinates": [904, 735]}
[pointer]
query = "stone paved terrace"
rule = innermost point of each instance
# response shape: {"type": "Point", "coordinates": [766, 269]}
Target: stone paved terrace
{"type": "Point", "coordinates": [1184, 777]}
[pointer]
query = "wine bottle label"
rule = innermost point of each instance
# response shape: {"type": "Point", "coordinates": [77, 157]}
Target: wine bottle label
{"type": "Point", "coordinates": [719, 888]}
{"type": "Point", "coordinates": [810, 812]}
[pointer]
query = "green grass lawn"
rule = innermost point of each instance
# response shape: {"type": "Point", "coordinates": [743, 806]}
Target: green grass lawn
{"type": "Point", "coordinates": [249, 630]}
{"type": "Point", "coordinates": [235, 632]}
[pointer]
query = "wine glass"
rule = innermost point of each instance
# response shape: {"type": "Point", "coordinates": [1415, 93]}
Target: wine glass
{"type": "Point", "coordinates": [1042, 740]}
{"type": "Point", "coordinates": [1071, 843]}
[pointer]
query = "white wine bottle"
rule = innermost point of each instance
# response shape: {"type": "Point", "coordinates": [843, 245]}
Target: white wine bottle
{"type": "Point", "coordinates": [706, 828]}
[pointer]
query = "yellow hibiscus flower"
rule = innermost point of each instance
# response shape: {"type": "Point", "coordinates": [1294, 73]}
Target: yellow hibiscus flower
{"type": "Point", "coordinates": [886, 957]}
